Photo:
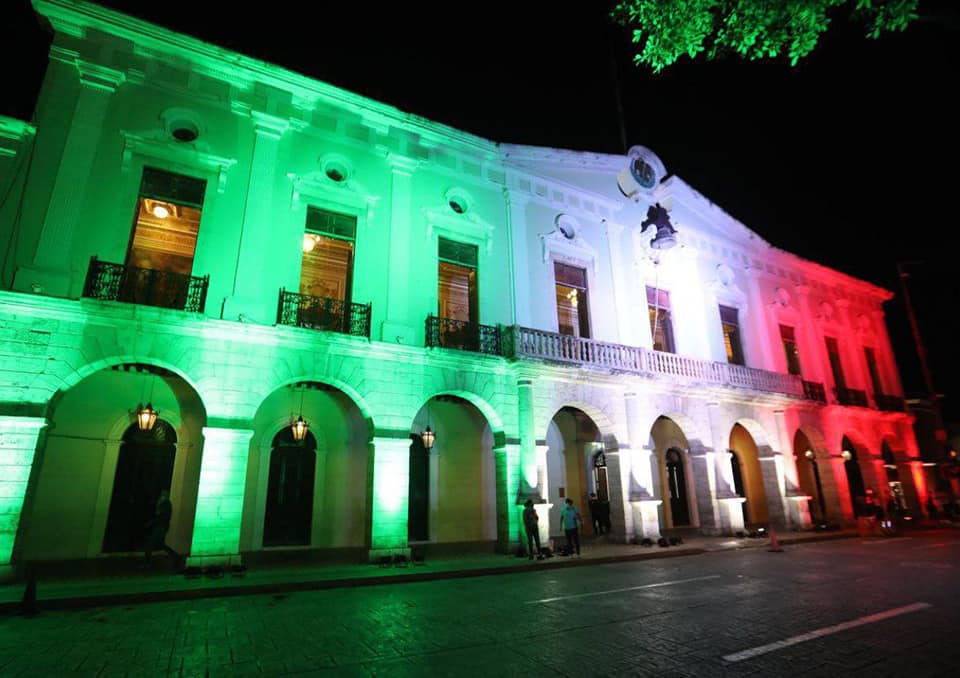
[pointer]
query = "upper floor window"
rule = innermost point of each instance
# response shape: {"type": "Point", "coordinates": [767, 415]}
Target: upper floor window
{"type": "Point", "coordinates": [729, 319]}
{"type": "Point", "coordinates": [836, 366]}
{"type": "Point", "coordinates": [167, 222]}
{"type": "Point", "coordinates": [457, 281]}
{"type": "Point", "coordinates": [571, 290]}
{"type": "Point", "coordinates": [871, 357]}
{"type": "Point", "coordinates": [790, 350]}
{"type": "Point", "coordinates": [661, 323]}
{"type": "Point", "coordinates": [326, 268]}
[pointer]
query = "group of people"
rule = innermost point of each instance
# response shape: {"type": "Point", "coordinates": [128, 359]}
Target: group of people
{"type": "Point", "coordinates": [570, 521]}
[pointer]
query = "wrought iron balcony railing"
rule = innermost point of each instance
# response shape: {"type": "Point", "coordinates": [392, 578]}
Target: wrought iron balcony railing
{"type": "Point", "coordinates": [889, 403]}
{"type": "Point", "coordinates": [564, 348]}
{"type": "Point", "coordinates": [466, 336]}
{"type": "Point", "coordinates": [813, 390]}
{"type": "Point", "coordinates": [851, 397]}
{"type": "Point", "coordinates": [145, 286]}
{"type": "Point", "coordinates": [322, 313]}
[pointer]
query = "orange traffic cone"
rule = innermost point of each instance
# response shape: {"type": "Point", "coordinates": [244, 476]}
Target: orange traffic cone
{"type": "Point", "coordinates": [774, 542]}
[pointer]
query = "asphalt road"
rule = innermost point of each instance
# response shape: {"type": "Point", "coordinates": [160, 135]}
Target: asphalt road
{"type": "Point", "coordinates": [854, 607]}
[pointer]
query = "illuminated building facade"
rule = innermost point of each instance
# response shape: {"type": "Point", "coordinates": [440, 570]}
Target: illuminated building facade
{"type": "Point", "coordinates": [259, 290]}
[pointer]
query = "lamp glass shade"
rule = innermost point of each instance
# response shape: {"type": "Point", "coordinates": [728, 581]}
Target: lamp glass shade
{"type": "Point", "coordinates": [146, 417]}
{"type": "Point", "coordinates": [429, 437]}
{"type": "Point", "coordinates": [299, 428]}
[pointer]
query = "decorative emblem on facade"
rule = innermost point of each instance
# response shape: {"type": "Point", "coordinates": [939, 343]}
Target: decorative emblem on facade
{"type": "Point", "coordinates": [643, 172]}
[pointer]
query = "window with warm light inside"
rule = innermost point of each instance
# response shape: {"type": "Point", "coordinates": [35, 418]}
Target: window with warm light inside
{"type": "Point", "coordinates": [167, 222]}
{"type": "Point", "coordinates": [457, 281]}
{"type": "Point", "coordinates": [730, 321]}
{"type": "Point", "coordinates": [326, 268]}
{"type": "Point", "coordinates": [661, 322]}
{"type": "Point", "coordinates": [571, 291]}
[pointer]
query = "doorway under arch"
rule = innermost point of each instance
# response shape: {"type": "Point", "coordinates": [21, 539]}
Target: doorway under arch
{"type": "Point", "coordinates": [452, 491]}
{"type": "Point", "coordinates": [673, 476]}
{"type": "Point", "coordinates": [855, 484]}
{"type": "Point", "coordinates": [574, 444]}
{"type": "Point", "coordinates": [748, 477]}
{"type": "Point", "coordinates": [288, 516]}
{"type": "Point", "coordinates": [809, 477]}
{"type": "Point", "coordinates": [144, 468]}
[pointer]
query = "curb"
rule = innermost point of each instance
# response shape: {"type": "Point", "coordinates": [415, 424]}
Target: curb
{"type": "Point", "coordinates": [111, 599]}
{"type": "Point", "coordinates": [233, 590]}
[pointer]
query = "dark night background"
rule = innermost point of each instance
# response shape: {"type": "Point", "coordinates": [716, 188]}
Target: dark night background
{"type": "Point", "coordinates": [848, 159]}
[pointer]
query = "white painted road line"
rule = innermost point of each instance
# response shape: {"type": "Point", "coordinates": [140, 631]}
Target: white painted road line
{"type": "Point", "coordinates": [631, 588]}
{"type": "Point", "coordinates": [825, 631]}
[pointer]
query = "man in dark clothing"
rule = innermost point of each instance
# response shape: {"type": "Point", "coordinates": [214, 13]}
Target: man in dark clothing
{"type": "Point", "coordinates": [158, 527]}
{"type": "Point", "coordinates": [531, 523]}
{"type": "Point", "coordinates": [595, 506]}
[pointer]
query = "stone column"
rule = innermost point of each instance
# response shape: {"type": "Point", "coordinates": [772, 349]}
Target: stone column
{"type": "Point", "coordinates": [248, 296]}
{"type": "Point", "coordinates": [223, 475]}
{"type": "Point", "coordinates": [389, 496]}
{"type": "Point", "coordinates": [727, 502]}
{"type": "Point", "coordinates": [396, 327]}
{"type": "Point", "coordinates": [529, 461]}
{"type": "Point", "coordinates": [771, 471]}
{"type": "Point", "coordinates": [516, 214]}
{"type": "Point", "coordinates": [618, 472]}
{"type": "Point", "coordinates": [509, 514]}
{"type": "Point", "coordinates": [794, 501]}
{"type": "Point", "coordinates": [704, 467]}
{"type": "Point", "coordinates": [885, 357]}
{"type": "Point", "coordinates": [55, 247]}
{"type": "Point", "coordinates": [643, 518]}
{"type": "Point", "coordinates": [542, 502]}
{"type": "Point", "coordinates": [18, 444]}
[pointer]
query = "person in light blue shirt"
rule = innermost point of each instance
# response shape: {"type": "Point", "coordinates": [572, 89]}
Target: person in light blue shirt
{"type": "Point", "coordinates": [571, 522]}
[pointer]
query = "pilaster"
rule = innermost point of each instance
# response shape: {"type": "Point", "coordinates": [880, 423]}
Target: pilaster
{"type": "Point", "coordinates": [389, 496]}
{"type": "Point", "coordinates": [223, 474]}
{"type": "Point", "coordinates": [18, 444]}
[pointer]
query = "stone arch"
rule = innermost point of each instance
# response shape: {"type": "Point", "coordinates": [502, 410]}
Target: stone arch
{"type": "Point", "coordinates": [341, 424]}
{"type": "Point", "coordinates": [603, 423]}
{"type": "Point", "coordinates": [695, 492]}
{"type": "Point", "coordinates": [816, 475]}
{"type": "Point", "coordinates": [756, 463]}
{"type": "Point", "coordinates": [71, 488]}
{"type": "Point", "coordinates": [493, 418]}
{"type": "Point", "coordinates": [351, 392]}
{"type": "Point", "coordinates": [818, 444]}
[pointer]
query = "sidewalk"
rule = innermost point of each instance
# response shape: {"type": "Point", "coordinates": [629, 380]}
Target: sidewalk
{"type": "Point", "coordinates": [72, 593]}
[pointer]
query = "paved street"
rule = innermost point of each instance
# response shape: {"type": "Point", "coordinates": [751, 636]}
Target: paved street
{"type": "Point", "coordinates": [854, 607]}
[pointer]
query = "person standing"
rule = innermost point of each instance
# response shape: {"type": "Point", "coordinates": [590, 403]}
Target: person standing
{"type": "Point", "coordinates": [596, 513]}
{"type": "Point", "coordinates": [531, 523]}
{"type": "Point", "coordinates": [571, 521]}
{"type": "Point", "coordinates": [158, 528]}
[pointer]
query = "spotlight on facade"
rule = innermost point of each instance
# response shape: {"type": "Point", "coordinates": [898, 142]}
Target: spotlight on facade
{"type": "Point", "coordinates": [146, 417]}
{"type": "Point", "coordinates": [299, 429]}
{"type": "Point", "coordinates": [429, 438]}
{"type": "Point", "coordinates": [847, 455]}
{"type": "Point", "coordinates": [808, 454]}
{"type": "Point", "coordinates": [309, 242]}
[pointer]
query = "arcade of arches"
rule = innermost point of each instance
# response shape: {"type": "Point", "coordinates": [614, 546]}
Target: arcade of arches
{"type": "Point", "coordinates": [96, 476]}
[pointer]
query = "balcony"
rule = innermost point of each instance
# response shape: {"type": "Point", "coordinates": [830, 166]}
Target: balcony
{"type": "Point", "coordinates": [851, 397]}
{"type": "Point", "coordinates": [889, 403]}
{"type": "Point", "coordinates": [144, 286]}
{"type": "Point", "coordinates": [322, 313]}
{"type": "Point", "coordinates": [563, 348]}
{"type": "Point", "coordinates": [813, 390]}
{"type": "Point", "coordinates": [465, 336]}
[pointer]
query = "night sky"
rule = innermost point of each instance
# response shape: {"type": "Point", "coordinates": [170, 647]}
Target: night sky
{"type": "Point", "coordinates": [849, 159]}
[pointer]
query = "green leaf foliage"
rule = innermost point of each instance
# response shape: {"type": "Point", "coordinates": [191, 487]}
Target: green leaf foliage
{"type": "Point", "coordinates": [665, 30]}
